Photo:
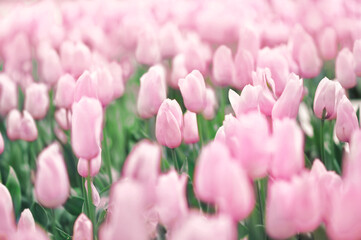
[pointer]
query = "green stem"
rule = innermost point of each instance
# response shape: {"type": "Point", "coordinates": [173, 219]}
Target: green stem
{"type": "Point", "coordinates": [258, 186]}
{"type": "Point", "coordinates": [199, 122]}
{"type": "Point", "coordinates": [90, 198]}
{"type": "Point", "coordinates": [322, 144]}
{"type": "Point", "coordinates": [151, 123]}
{"type": "Point", "coordinates": [174, 157]}
{"type": "Point", "coordinates": [108, 162]}
{"type": "Point", "coordinates": [85, 197]}
{"type": "Point", "coordinates": [53, 224]}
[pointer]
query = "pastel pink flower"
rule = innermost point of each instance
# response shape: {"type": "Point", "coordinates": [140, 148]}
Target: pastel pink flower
{"type": "Point", "coordinates": [179, 70]}
{"type": "Point", "coordinates": [63, 118]}
{"type": "Point", "coordinates": [95, 164]}
{"type": "Point", "coordinates": [7, 217]}
{"type": "Point", "coordinates": [118, 80]}
{"type": "Point", "coordinates": [309, 62]}
{"type": "Point", "coordinates": [64, 94]}
{"type": "Point", "coordinates": [244, 65]}
{"type": "Point", "coordinates": [223, 66]}
{"type": "Point", "coordinates": [103, 83]}
{"type": "Point", "coordinates": [357, 56]}
{"type": "Point", "coordinates": [193, 90]}
{"type": "Point", "coordinates": [95, 193]}
{"type": "Point", "coordinates": [83, 228]}
{"type": "Point", "coordinates": [37, 100]}
{"type": "Point", "coordinates": [169, 40]}
{"type": "Point", "coordinates": [21, 126]}
{"type": "Point", "coordinates": [327, 42]}
{"type": "Point", "coordinates": [85, 87]}
{"type": "Point", "coordinates": [247, 101]}
{"type": "Point", "coordinates": [51, 171]}
{"type": "Point", "coordinates": [346, 120]}
{"type": "Point", "coordinates": [86, 128]}
{"type": "Point", "coordinates": [211, 104]}
{"type": "Point", "coordinates": [249, 40]}
{"type": "Point", "coordinates": [75, 58]}
{"type": "Point", "coordinates": [50, 66]}
{"type": "Point", "coordinates": [190, 128]}
{"type": "Point", "coordinates": [26, 220]}
{"type": "Point", "coordinates": [345, 69]}
{"type": "Point", "coordinates": [148, 51]}
{"type": "Point", "coordinates": [8, 94]}
{"type": "Point", "coordinates": [1, 144]}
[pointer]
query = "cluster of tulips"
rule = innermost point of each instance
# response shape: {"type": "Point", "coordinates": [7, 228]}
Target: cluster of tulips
{"type": "Point", "coordinates": [181, 120]}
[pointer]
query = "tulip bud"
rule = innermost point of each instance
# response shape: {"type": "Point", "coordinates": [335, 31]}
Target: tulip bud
{"type": "Point", "coordinates": [345, 69]}
{"type": "Point", "coordinates": [244, 65]}
{"type": "Point", "coordinates": [193, 90]}
{"type": "Point", "coordinates": [95, 165]}
{"type": "Point", "coordinates": [287, 149]}
{"type": "Point", "coordinates": [171, 207]}
{"type": "Point", "coordinates": [26, 221]}
{"type": "Point", "coordinates": [75, 58]}
{"type": "Point", "coordinates": [21, 126]}
{"type": "Point", "coordinates": [51, 171]}
{"type": "Point", "coordinates": [357, 56]}
{"type": "Point", "coordinates": [179, 70]}
{"type": "Point", "coordinates": [86, 128]}
{"type": "Point", "coordinates": [190, 128]}
{"type": "Point", "coordinates": [223, 66]}
{"type": "Point", "coordinates": [64, 94]}
{"type": "Point", "coordinates": [169, 123]}
{"type": "Point", "coordinates": [36, 100]}
{"type": "Point", "coordinates": [50, 67]}
{"type": "Point", "coordinates": [103, 83]}
{"type": "Point", "coordinates": [8, 95]}
{"type": "Point", "coordinates": [346, 120]}
{"type": "Point", "coordinates": [94, 192]}
{"type": "Point", "coordinates": [63, 118]}
{"type": "Point", "coordinates": [170, 40]}
{"type": "Point", "coordinates": [247, 101]}
{"type": "Point", "coordinates": [328, 43]}
{"type": "Point", "coordinates": [85, 87]}
{"type": "Point", "coordinates": [7, 218]}
{"type": "Point", "coordinates": [152, 92]}
{"type": "Point", "coordinates": [147, 51]}
{"type": "Point", "coordinates": [327, 96]}
{"type": "Point", "coordinates": [308, 60]}
{"type": "Point", "coordinates": [211, 104]}
{"type": "Point", "coordinates": [288, 103]}
{"type": "Point", "coordinates": [83, 228]}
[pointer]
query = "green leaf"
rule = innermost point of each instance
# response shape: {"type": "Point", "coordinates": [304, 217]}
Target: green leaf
{"type": "Point", "coordinates": [63, 234]}
{"type": "Point", "coordinates": [13, 186]}
{"type": "Point", "coordinates": [39, 214]}
{"type": "Point", "coordinates": [4, 169]}
{"type": "Point", "coordinates": [74, 205]}
{"type": "Point", "coordinates": [242, 230]}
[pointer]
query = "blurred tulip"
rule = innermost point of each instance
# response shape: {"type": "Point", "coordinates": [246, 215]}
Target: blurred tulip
{"type": "Point", "coordinates": [26, 220]}
{"type": "Point", "coordinates": [50, 66]}
{"type": "Point", "coordinates": [8, 94]}
{"type": "Point", "coordinates": [169, 124]}
{"type": "Point", "coordinates": [104, 85]}
{"type": "Point", "coordinates": [244, 65]}
{"type": "Point", "coordinates": [246, 102]}
{"type": "Point", "coordinates": [223, 66]}
{"type": "Point", "coordinates": [85, 87]}
{"type": "Point", "coordinates": [249, 40]}
{"type": "Point", "coordinates": [152, 92]}
{"type": "Point", "coordinates": [345, 69]}
{"type": "Point", "coordinates": [193, 90]}
{"type": "Point", "coordinates": [1, 144]}
{"type": "Point", "coordinates": [95, 164]}
{"type": "Point", "coordinates": [328, 43]}
{"type": "Point", "coordinates": [287, 145]}
{"type": "Point", "coordinates": [357, 56]}
{"type": "Point", "coordinates": [83, 228]}
{"type": "Point", "coordinates": [7, 217]}
{"type": "Point", "coordinates": [51, 171]}
{"type": "Point", "coordinates": [63, 118]}
{"type": "Point", "coordinates": [86, 128]}
{"type": "Point", "coordinates": [169, 40]}
{"type": "Point", "coordinates": [75, 58]}
{"type": "Point", "coordinates": [179, 70]}
{"type": "Point", "coordinates": [209, 111]}
{"type": "Point", "coordinates": [64, 94]}
{"type": "Point", "coordinates": [21, 126]}
{"type": "Point", "coordinates": [346, 121]}
{"type": "Point", "coordinates": [30, 234]}
{"type": "Point", "coordinates": [118, 80]}
{"type": "Point", "coordinates": [171, 207]}
{"type": "Point", "coordinates": [94, 192]}
{"type": "Point", "coordinates": [308, 60]}
{"type": "Point", "coordinates": [190, 128]}
{"type": "Point", "coordinates": [148, 51]}
{"type": "Point", "coordinates": [36, 100]}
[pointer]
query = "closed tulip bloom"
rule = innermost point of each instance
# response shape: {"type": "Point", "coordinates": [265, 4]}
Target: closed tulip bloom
{"type": "Point", "coordinates": [327, 96]}
{"type": "Point", "coordinates": [104, 85]}
{"type": "Point", "coordinates": [143, 165]}
{"type": "Point", "coordinates": [211, 104]}
{"type": "Point", "coordinates": [247, 101]}
{"type": "Point", "coordinates": [7, 218]}
{"type": "Point", "coordinates": [223, 66]}
{"type": "Point", "coordinates": [244, 65]}
{"type": "Point", "coordinates": [357, 56]}
{"type": "Point", "coordinates": [287, 142]}
{"type": "Point", "coordinates": [345, 69]}
{"type": "Point", "coordinates": [148, 51]}
{"type": "Point", "coordinates": [36, 100]}
{"type": "Point", "coordinates": [95, 164]}
{"type": "Point", "coordinates": [169, 40]}
{"type": "Point", "coordinates": [95, 193]}
{"type": "Point", "coordinates": [51, 171]}
{"type": "Point", "coordinates": [171, 207]}
{"type": "Point", "coordinates": [193, 90]}
{"type": "Point", "coordinates": [328, 43]}
{"type": "Point", "coordinates": [352, 160]}
{"type": "Point", "coordinates": [50, 67]}
{"type": "Point", "coordinates": [64, 94]}
{"type": "Point", "coordinates": [83, 228]}
{"type": "Point", "coordinates": [190, 128]}
{"type": "Point", "coordinates": [8, 95]}
{"type": "Point", "coordinates": [288, 103]}
{"type": "Point", "coordinates": [26, 220]}
{"type": "Point", "coordinates": [197, 227]}
{"type": "Point", "coordinates": [179, 70]}
{"type": "Point", "coordinates": [29, 234]}
{"type": "Point", "coordinates": [75, 58]}
{"type": "Point", "coordinates": [21, 126]}
{"type": "Point", "coordinates": [85, 87]}
{"type": "Point", "coordinates": [346, 120]}
{"type": "Point", "coordinates": [169, 123]}
{"type": "Point", "coordinates": [152, 92]}
{"type": "Point", "coordinates": [63, 118]}
{"type": "Point", "coordinates": [86, 128]}
{"type": "Point", "coordinates": [309, 62]}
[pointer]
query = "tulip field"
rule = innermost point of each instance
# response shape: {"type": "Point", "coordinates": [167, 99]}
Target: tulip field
{"type": "Point", "coordinates": [180, 120]}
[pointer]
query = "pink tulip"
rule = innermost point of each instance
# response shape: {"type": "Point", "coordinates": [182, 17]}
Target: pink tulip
{"type": "Point", "coordinates": [328, 95]}
{"type": "Point", "coordinates": [357, 57]}
{"type": "Point", "coordinates": [143, 165]}
{"type": "Point", "coordinates": [51, 171]}
{"type": "Point", "coordinates": [309, 62]}
{"type": "Point", "coordinates": [94, 192]}
{"type": "Point", "coordinates": [148, 51]}
{"type": "Point", "coordinates": [284, 220]}
{"type": "Point", "coordinates": [249, 40]}
{"type": "Point", "coordinates": [193, 90]}
{"type": "Point", "coordinates": [345, 69]}
{"type": "Point", "coordinates": [59, 133]}
{"type": "Point", "coordinates": [64, 94]}
{"type": "Point", "coordinates": [223, 66]}
{"type": "Point", "coordinates": [63, 118]}
{"type": "Point", "coordinates": [50, 66]}
{"type": "Point", "coordinates": [197, 227]}
{"type": "Point", "coordinates": [171, 207]}
{"type": "Point", "coordinates": [86, 128]}
{"type": "Point", "coordinates": [83, 228]}
{"type": "Point", "coordinates": [244, 65]}
{"type": "Point", "coordinates": [104, 85]}
{"type": "Point", "coordinates": [346, 121]}
{"type": "Point", "coordinates": [85, 87]}
{"type": "Point", "coordinates": [287, 149]}
{"type": "Point", "coordinates": [26, 221]}
{"type": "Point", "coordinates": [7, 218]}
{"type": "Point", "coordinates": [118, 80]}
{"type": "Point", "coordinates": [21, 126]}
{"type": "Point", "coordinates": [124, 216]}
{"type": "Point", "coordinates": [190, 128]}
{"type": "Point", "coordinates": [29, 234]}
{"type": "Point", "coordinates": [352, 163]}
{"type": "Point", "coordinates": [169, 123]}
{"type": "Point", "coordinates": [247, 101]}
{"type": "Point", "coordinates": [211, 104]}
{"type": "Point", "coordinates": [152, 92]}
{"type": "Point", "coordinates": [36, 100]}
{"type": "Point", "coordinates": [8, 95]}
{"type": "Point", "coordinates": [179, 70]}
{"type": "Point", "coordinates": [328, 43]}
{"type": "Point", "coordinates": [288, 103]}
{"type": "Point", "coordinates": [1, 144]}
{"type": "Point", "coordinates": [243, 136]}
{"type": "Point", "coordinates": [95, 164]}
{"type": "Point", "coordinates": [169, 40]}
{"type": "Point", "coordinates": [197, 54]}
{"type": "Point", "coordinates": [75, 58]}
